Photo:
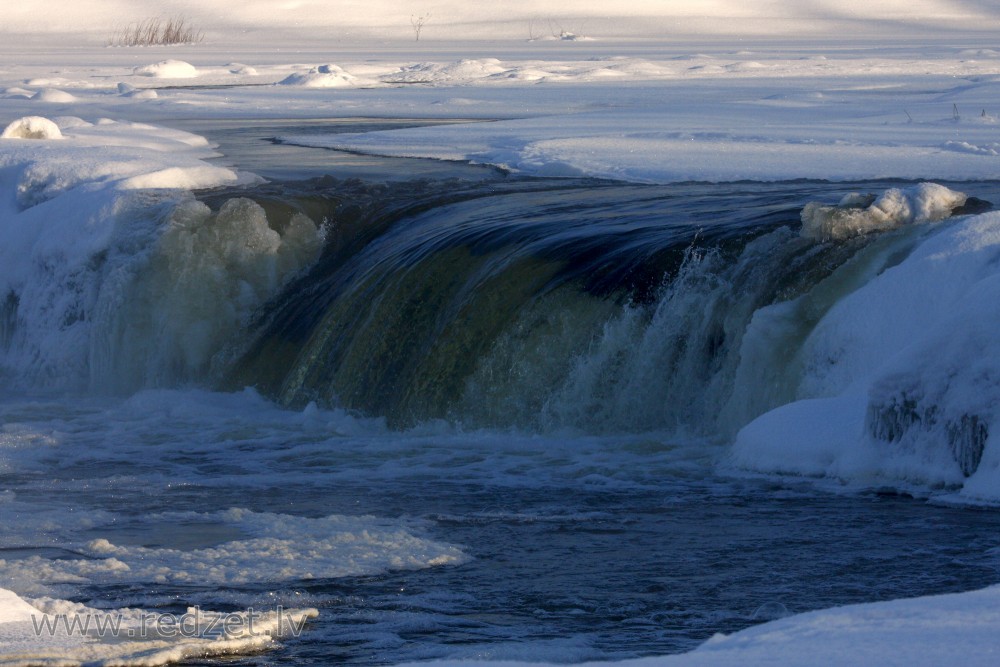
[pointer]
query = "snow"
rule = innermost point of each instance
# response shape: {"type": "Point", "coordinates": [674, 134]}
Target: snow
{"type": "Point", "coordinates": [946, 629]}
{"type": "Point", "coordinates": [860, 214]}
{"type": "Point", "coordinates": [323, 76]}
{"type": "Point", "coordinates": [900, 378]}
{"type": "Point", "coordinates": [57, 632]}
{"type": "Point", "coordinates": [32, 127]}
{"type": "Point", "coordinates": [54, 96]}
{"type": "Point", "coordinates": [104, 185]}
{"type": "Point", "coordinates": [520, 19]}
{"type": "Point", "coordinates": [716, 90]}
{"type": "Point", "coordinates": [923, 631]}
{"type": "Point", "coordinates": [13, 609]}
{"type": "Point", "coordinates": [168, 69]}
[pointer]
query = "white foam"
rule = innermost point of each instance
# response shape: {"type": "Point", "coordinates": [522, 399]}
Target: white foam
{"type": "Point", "coordinates": [206, 275]}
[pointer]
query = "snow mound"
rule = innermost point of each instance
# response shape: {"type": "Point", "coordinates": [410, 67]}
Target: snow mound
{"type": "Point", "coordinates": [71, 122]}
{"type": "Point", "coordinates": [168, 69]}
{"type": "Point", "coordinates": [240, 68]}
{"type": "Point", "coordinates": [858, 214]}
{"type": "Point", "coordinates": [18, 93]}
{"type": "Point", "coordinates": [13, 609]}
{"type": "Point", "coordinates": [32, 127]}
{"type": "Point", "coordinates": [53, 95]}
{"type": "Point", "coordinates": [323, 76]}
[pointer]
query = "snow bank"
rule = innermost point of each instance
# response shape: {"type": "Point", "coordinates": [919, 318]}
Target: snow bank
{"type": "Point", "coordinates": [168, 69]}
{"type": "Point", "coordinates": [899, 382]}
{"type": "Point", "coordinates": [32, 127]}
{"type": "Point", "coordinates": [859, 214]}
{"type": "Point", "coordinates": [77, 220]}
{"type": "Point", "coordinates": [920, 632]}
{"type": "Point", "coordinates": [57, 632]}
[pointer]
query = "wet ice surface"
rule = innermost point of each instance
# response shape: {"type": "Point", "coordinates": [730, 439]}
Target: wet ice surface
{"type": "Point", "coordinates": [567, 547]}
{"type": "Point", "coordinates": [256, 145]}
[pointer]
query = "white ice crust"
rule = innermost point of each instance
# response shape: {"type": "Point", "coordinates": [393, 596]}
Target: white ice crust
{"type": "Point", "coordinates": [50, 632]}
{"type": "Point", "coordinates": [858, 214]}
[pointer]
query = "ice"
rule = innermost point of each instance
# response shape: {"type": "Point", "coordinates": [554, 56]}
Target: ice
{"type": "Point", "coordinates": [109, 185]}
{"type": "Point", "coordinates": [859, 214]}
{"type": "Point", "coordinates": [267, 548]}
{"type": "Point", "coordinates": [57, 632]}
{"type": "Point", "coordinates": [913, 633]}
{"type": "Point", "coordinates": [13, 609]}
{"type": "Point", "coordinates": [900, 378]}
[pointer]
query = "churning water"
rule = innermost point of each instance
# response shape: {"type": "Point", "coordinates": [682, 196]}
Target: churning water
{"type": "Point", "coordinates": [488, 419]}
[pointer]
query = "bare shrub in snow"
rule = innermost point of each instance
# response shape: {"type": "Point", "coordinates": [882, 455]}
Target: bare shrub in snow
{"type": "Point", "coordinates": [418, 23]}
{"type": "Point", "coordinates": [157, 31]}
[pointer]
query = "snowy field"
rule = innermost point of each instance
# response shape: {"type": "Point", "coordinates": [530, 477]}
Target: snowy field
{"type": "Point", "coordinates": [662, 92]}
